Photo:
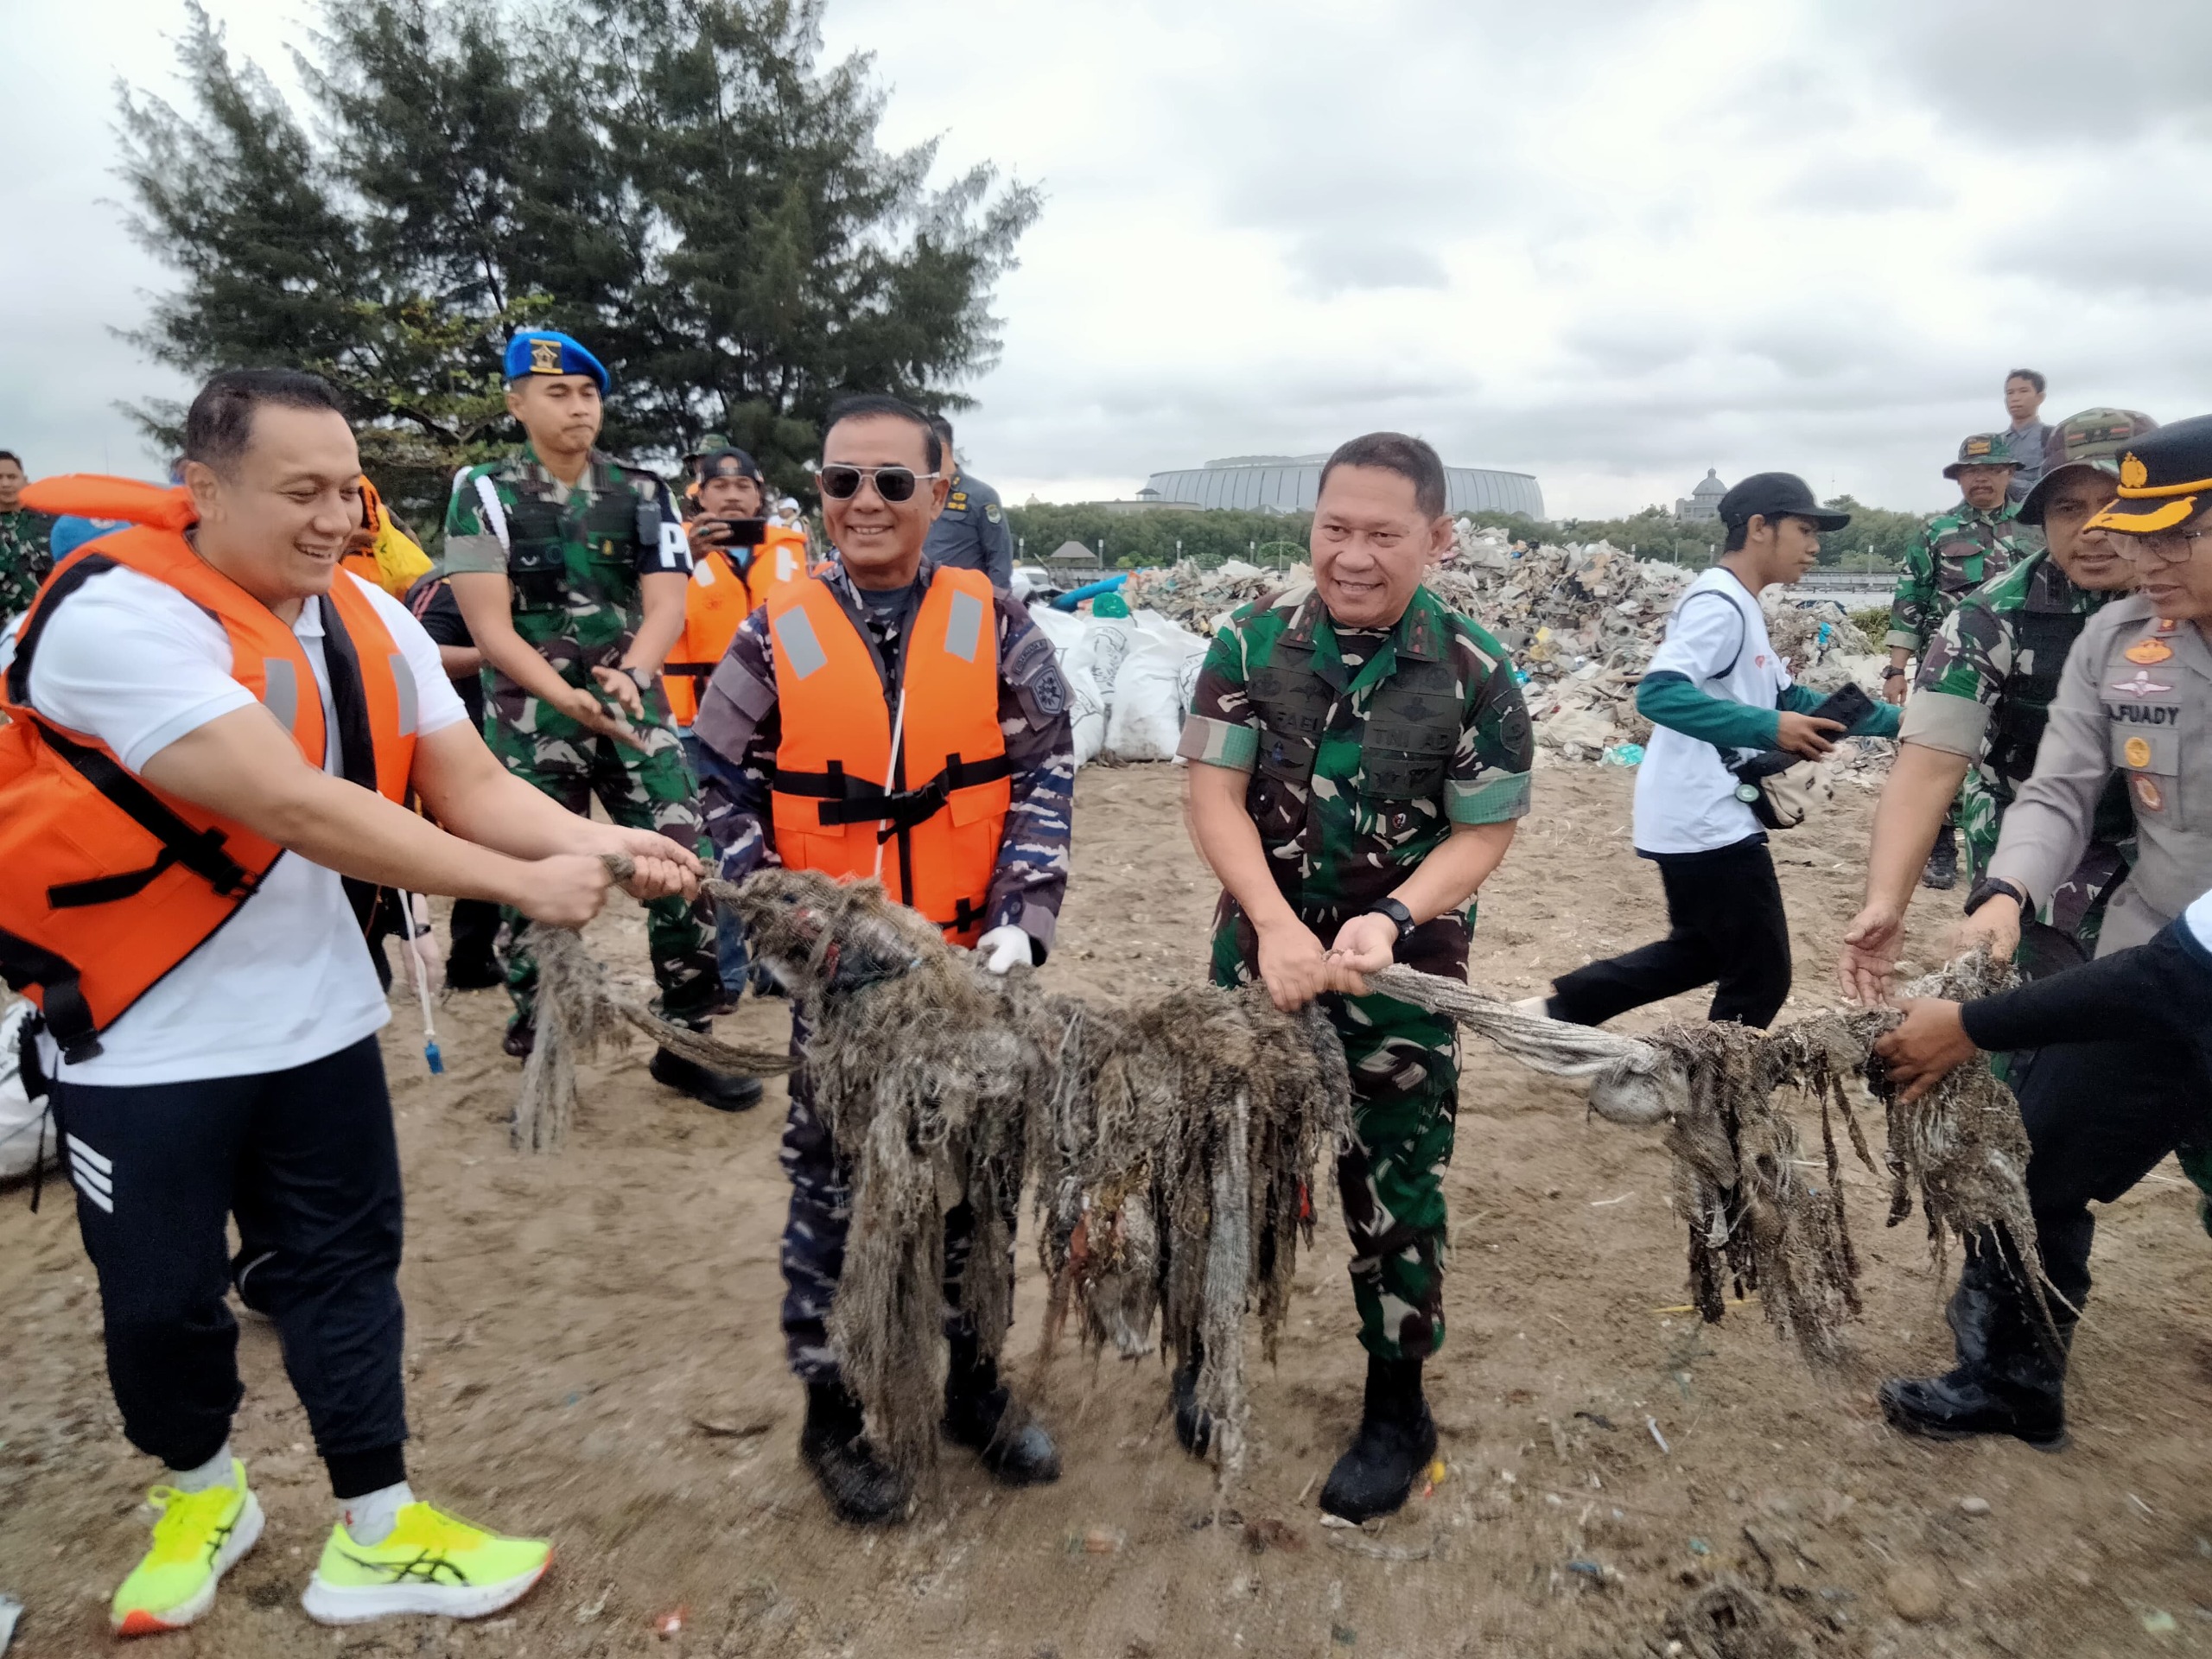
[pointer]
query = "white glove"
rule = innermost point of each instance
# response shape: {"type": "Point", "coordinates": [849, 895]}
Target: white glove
{"type": "Point", "coordinates": [1003, 947]}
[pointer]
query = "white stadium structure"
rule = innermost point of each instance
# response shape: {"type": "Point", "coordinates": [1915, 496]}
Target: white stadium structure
{"type": "Point", "coordinates": [1290, 484]}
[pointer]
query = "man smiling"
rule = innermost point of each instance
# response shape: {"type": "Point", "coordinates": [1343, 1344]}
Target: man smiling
{"type": "Point", "coordinates": [966, 821]}
{"type": "Point", "coordinates": [1361, 756]}
{"type": "Point", "coordinates": [212, 727]}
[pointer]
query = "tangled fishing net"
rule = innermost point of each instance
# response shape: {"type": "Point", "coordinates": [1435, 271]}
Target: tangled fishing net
{"type": "Point", "coordinates": [1173, 1141]}
{"type": "Point", "coordinates": [1722, 1090]}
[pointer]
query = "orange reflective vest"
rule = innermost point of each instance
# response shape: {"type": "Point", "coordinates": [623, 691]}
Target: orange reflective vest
{"type": "Point", "coordinates": [111, 882]}
{"type": "Point", "coordinates": [930, 826]}
{"type": "Point", "coordinates": [716, 603]}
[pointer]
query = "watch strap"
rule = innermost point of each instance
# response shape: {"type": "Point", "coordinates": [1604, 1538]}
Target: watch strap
{"type": "Point", "coordinates": [1400, 917]}
{"type": "Point", "coordinates": [1988, 887]}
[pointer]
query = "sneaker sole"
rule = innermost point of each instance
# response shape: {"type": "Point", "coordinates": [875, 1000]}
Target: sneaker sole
{"type": "Point", "coordinates": [331, 1604]}
{"type": "Point", "coordinates": [247, 1533]}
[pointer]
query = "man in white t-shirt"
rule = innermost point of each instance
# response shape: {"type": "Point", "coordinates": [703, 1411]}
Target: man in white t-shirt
{"type": "Point", "coordinates": [206, 686]}
{"type": "Point", "coordinates": [1718, 695]}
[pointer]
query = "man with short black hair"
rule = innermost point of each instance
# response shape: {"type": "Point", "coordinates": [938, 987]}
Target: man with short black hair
{"type": "Point", "coordinates": [2024, 389]}
{"type": "Point", "coordinates": [1360, 759]}
{"type": "Point", "coordinates": [1718, 694]}
{"type": "Point", "coordinates": [967, 822]}
{"type": "Point", "coordinates": [25, 556]}
{"type": "Point", "coordinates": [216, 729]}
{"type": "Point", "coordinates": [570, 569]}
{"type": "Point", "coordinates": [971, 533]}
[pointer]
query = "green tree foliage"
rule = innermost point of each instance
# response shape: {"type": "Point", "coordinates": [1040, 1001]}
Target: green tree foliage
{"type": "Point", "coordinates": [1887, 534]}
{"type": "Point", "coordinates": [1150, 537]}
{"type": "Point", "coordinates": [681, 183]}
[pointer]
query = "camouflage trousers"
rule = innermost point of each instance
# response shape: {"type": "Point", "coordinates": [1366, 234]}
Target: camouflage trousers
{"type": "Point", "coordinates": [1405, 1092]}
{"type": "Point", "coordinates": [814, 1232]}
{"type": "Point", "coordinates": [650, 791]}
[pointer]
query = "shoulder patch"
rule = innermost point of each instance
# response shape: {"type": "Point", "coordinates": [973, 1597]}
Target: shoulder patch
{"type": "Point", "coordinates": [993, 511]}
{"type": "Point", "coordinates": [1033, 654]}
{"type": "Point", "coordinates": [1049, 689]}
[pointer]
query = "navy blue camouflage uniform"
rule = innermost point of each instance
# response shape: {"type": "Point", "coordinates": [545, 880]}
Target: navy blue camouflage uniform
{"type": "Point", "coordinates": [738, 729]}
{"type": "Point", "coordinates": [972, 533]}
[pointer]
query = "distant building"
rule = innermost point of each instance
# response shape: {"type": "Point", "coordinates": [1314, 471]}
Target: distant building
{"type": "Point", "coordinates": [1070, 554]}
{"type": "Point", "coordinates": [1293, 483]}
{"type": "Point", "coordinates": [1142, 501]}
{"type": "Point", "coordinates": [1702, 504]}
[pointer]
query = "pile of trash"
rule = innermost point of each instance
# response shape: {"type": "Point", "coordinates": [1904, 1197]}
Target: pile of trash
{"type": "Point", "coordinates": [1579, 620]}
{"type": "Point", "coordinates": [1131, 678]}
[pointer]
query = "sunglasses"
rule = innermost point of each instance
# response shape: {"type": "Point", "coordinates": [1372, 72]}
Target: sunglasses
{"type": "Point", "coordinates": [841, 483]}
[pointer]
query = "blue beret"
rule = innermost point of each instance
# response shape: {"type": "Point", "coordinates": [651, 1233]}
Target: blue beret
{"type": "Point", "coordinates": [71, 533]}
{"type": "Point", "coordinates": [541, 351]}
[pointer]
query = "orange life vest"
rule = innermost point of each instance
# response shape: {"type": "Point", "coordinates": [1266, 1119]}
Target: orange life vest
{"type": "Point", "coordinates": [932, 830]}
{"type": "Point", "coordinates": [716, 603]}
{"type": "Point", "coordinates": [111, 882]}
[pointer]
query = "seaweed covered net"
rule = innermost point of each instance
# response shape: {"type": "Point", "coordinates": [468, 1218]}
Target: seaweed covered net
{"type": "Point", "coordinates": [577, 1008]}
{"type": "Point", "coordinates": [1172, 1143]}
{"type": "Point", "coordinates": [1724, 1092]}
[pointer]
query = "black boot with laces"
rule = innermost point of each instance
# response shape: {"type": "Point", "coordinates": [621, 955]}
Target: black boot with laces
{"type": "Point", "coordinates": [1395, 1442]}
{"type": "Point", "coordinates": [861, 1488]}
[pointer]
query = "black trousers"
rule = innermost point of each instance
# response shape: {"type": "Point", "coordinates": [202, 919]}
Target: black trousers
{"type": "Point", "coordinates": [475, 931]}
{"type": "Point", "coordinates": [1725, 910]}
{"type": "Point", "coordinates": [307, 1161]}
{"type": "Point", "coordinates": [2099, 1116]}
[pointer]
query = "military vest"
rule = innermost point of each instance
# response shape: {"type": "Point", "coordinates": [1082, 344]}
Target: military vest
{"type": "Point", "coordinates": [1966, 556]}
{"type": "Point", "coordinates": [1412, 724]}
{"type": "Point", "coordinates": [618, 522]}
{"type": "Point", "coordinates": [2017, 723]}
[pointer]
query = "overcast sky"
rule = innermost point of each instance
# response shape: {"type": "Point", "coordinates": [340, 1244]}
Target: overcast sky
{"type": "Point", "coordinates": [1611, 243]}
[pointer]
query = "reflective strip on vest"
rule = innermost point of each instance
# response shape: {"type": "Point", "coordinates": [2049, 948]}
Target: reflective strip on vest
{"type": "Point", "coordinates": [280, 690]}
{"type": "Point", "coordinates": [402, 682]}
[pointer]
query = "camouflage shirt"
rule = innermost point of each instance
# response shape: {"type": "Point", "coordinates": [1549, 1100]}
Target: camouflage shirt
{"type": "Point", "coordinates": [1345, 812]}
{"type": "Point", "coordinates": [26, 555]}
{"type": "Point", "coordinates": [739, 727]}
{"type": "Point", "coordinates": [573, 555]}
{"type": "Point", "coordinates": [1956, 552]}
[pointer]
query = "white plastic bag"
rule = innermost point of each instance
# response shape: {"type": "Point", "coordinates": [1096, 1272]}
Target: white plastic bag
{"type": "Point", "coordinates": [22, 1120]}
{"type": "Point", "coordinates": [1071, 637]}
{"type": "Point", "coordinates": [1151, 693]}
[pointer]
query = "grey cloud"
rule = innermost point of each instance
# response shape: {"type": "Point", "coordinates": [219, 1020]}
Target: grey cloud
{"type": "Point", "coordinates": [1324, 265]}
{"type": "Point", "coordinates": [1856, 184]}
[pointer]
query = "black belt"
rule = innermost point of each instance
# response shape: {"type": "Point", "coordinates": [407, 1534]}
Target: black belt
{"type": "Point", "coordinates": [846, 799]}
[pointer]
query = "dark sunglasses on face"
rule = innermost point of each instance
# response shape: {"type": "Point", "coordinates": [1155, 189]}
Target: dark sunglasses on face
{"type": "Point", "coordinates": [842, 483]}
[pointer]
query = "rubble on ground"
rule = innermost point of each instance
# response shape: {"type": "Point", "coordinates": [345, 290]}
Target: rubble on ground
{"type": "Point", "coordinates": [1579, 620]}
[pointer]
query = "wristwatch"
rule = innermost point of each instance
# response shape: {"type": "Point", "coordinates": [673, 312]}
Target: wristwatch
{"type": "Point", "coordinates": [1400, 917]}
{"type": "Point", "coordinates": [642, 678]}
{"type": "Point", "coordinates": [1988, 887]}
{"type": "Point", "coordinates": [1893, 672]}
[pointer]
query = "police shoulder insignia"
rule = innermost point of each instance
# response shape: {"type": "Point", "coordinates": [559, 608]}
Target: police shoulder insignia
{"type": "Point", "coordinates": [2132, 473]}
{"type": "Point", "coordinates": [992, 513]}
{"type": "Point", "coordinates": [545, 356]}
{"type": "Point", "coordinates": [956, 502]}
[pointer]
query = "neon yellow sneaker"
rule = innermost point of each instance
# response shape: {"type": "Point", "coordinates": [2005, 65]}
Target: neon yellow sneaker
{"type": "Point", "coordinates": [432, 1562]}
{"type": "Point", "coordinates": [198, 1538]}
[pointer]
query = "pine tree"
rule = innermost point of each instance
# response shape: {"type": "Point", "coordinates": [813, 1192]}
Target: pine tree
{"type": "Point", "coordinates": [680, 183]}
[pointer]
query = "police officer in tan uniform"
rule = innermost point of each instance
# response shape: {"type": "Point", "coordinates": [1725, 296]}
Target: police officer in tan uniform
{"type": "Point", "coordinates": [2135, 700]}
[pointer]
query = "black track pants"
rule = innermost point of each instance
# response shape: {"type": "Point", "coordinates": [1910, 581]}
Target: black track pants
{"type": "Point", "coordinates": [306, 1159]}
{"type": "Point", "coordinates": [1725, 909]}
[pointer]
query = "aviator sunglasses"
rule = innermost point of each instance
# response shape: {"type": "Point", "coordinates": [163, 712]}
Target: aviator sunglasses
{"type": "Point", "coordinates": [842, 483]}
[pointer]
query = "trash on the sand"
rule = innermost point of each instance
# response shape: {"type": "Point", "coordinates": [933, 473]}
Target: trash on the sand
{"type": "Point", "coordinates": [592, 1609]}
{"type": "Point", "coordinates": [733, 1431]}
{"type": "Point", "coordinates": [1652, 1423]}
{"type": "Point", "coordinates": [2140, 1504]}
{"type": "Point", "coordinates": [1975, 1505]}
{"type": "Point", "coordinates": [1102, 1541]}
{"type": "Point", "coordinates": [10, 1611]}
{"type": "Point", "coordinates": [1623, 754]}
{"type": "Point", "coordinates": [1598, 1418]}
{"type": "Point", "coordinates": [1337, 1521]}
{"type": "Point", "coordinates": [1343, 1635]}
{"type": "Point", "coordinates": [1596, 1570]}
{"type": "Point", "coordinates": [1698, 1547]}
{"type": "Point", "coordinates": [2158, 1621]}
{"type": "Point", "coordinates": [1266, 1533]}
{"type": "Point", "coordinates": [671, 1622]}
{"type": "Point", "coordinates": [1436, 1473]}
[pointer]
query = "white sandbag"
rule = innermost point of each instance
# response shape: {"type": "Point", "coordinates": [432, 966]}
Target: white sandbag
{"type": "Point", "coordinates": [1071, 637]}
{"type": "Point", "coordinates": [21, 1118]}
{"type": "Point", "coordinates": [1151, 693]}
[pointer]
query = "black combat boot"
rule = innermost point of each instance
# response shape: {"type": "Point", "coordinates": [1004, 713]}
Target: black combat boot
{"type": "Point", "coordinates": [980, 1414]}
{"type": "Point", "coordinates": [1942, 871]}
{"type": "Point", "coordinates": [1193, 1427]}
{"type": "Point", "coordinates": [475, 973]}
{"type": "Point", "coordinates": [724, 1091]}
{"type": "Point", "coordinates": [2011, 1377]}
{"type": "Point", "coordinates": [1396, 1442]}
{"type": "Point", "coordinates": [861, 1487]}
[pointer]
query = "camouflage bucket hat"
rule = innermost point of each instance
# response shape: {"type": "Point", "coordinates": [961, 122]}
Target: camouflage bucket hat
{"type": "Point", "coordinates": [1983, 449]}
{"type": "Point", "coordinates": [2094, 439]}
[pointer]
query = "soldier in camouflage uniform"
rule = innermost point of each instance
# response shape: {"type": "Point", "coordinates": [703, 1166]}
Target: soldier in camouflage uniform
{"type": "Point", "coordinates": [1954, 552]}
{"type": "Point", "coordinates": [1362, 754]}
{"type": "Point", "coordinates": [570, 569]}
{"type": "Point", "coordinates": [1978, 707]}
{"type": "Point", "coordinates": [25, 551]}
{"type": "Point", "coordinates": [879, 584]}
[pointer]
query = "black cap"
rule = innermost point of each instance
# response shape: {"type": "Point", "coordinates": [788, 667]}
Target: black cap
{"type": "Point", "coordinates": [1777, 495]}
{"type": "Point", "coordinates": [2166, 479]}
{"type": "Point", "coordinates": [728, 462]}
